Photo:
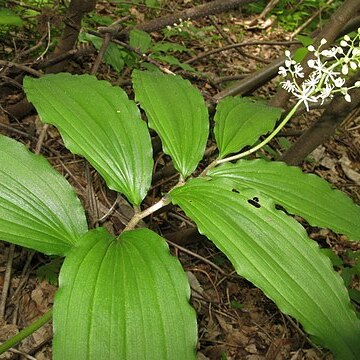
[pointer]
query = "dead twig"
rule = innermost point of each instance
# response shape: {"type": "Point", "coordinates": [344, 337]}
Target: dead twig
{"type": "Point", "coordinates": [231, 42]}
{"type": "Point", "coordinates": [196, 12]}
{"type": "Point", "coordinates": [197, 256]}
{"type": "Point", "coordinates": [21, 67]}
{"type": "Point", "coordinates": [101, 54]}
{"type": "Point", "coordinates": [7, 278]}
{"type": "Point", "coordinates": [236, 45]}
{"type": "Point", "coordinates": [24, 278]}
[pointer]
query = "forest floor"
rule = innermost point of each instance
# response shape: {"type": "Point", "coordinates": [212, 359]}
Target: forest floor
{"type": "Point", "coordinates": [235, 319]}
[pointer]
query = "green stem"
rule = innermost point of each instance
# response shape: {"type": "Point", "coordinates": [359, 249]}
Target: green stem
{"type": "Point", "coordinates": [264, 142]}
{"type": "Point", "coordinates": [140, 215]}
{"type": "Point", "coordinates": [26, 332]}
{"type": "Point", "coordinates": [165, 200]}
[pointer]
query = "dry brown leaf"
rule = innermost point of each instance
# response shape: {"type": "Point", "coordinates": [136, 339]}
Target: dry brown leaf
{"type": "Point", "coordinates": [346, 166]}
{"type": "Point", "coordinates": [237, 338]}
{"type": "Point", "coordinates": [252, 349]}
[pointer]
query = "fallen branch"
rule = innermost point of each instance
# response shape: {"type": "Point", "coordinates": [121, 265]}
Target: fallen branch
{"type": "Point", "coordinates": [197, 12]}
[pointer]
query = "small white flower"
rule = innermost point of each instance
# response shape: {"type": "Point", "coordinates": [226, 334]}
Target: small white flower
{"type": "Point", "coordinates": [313, 80]}
{"type": "Point", "coordinates": [298, 71]}
{"type": "Point", "coordinates": [288, 86]}
{"type": "Point", "coordinates": [345, 69]}
{"type": "Point", "coordinates": [305, 96]}
{"type": "Point", "coordinates": [327, 53]}
{"type": "Point", "coordinates": [339, 82]}
{"type": "Point", "coordinates": [282, 71]}
{"type": "Point", "coordinates": [327, 67]}
{"type": "Point", "coordinates": [311, 63]}
{"type": "Point", "coordinates": [317, 65]}
{"type": "Point", "coordinates": [332, 52]}
{"type": "Point", "coordinates": [311, 48]}
{"type": "Point", "coordinates": [288, 63]}
{"type": "Point", "coordinates": [353, 65]}
{"type": "Point", "coordinates": [323, 42]}
{"type": "Point", "coordinates": [326, 92]}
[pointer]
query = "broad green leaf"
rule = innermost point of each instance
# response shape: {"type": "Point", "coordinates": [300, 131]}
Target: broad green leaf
{"type": "Point", "coordinates": [177, 112]}
{"type": "Point", "coordinates": [140, 40]}
{"type": "Point", "coordinates": [99, 122]}
{"type": "Point", "coordinates": [272, 250]}
{"type": "Point", "coordinates": [9, 18]}
{"type": "Point", "coordinates": [123, 298]}
{"type": "Point", "coordinates": [240, 122]}
{"type": "Point", "coordinates": [306, 195]}
{"type": "Point", "coordinates": [38, 207]}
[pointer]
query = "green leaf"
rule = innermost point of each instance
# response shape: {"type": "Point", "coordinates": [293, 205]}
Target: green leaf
{"type": "Point", "coordinates": [300, 54]}
{"type": "Point", "coordinates": [115, 55]}
{"type": "Point", "coordinates": [8, 17]}
{"type": "Point", "coordinates": [306, 195]}
{"type": "Point", "coordinates": [272, 250]}
{"type": "Point", "coordinates": [177, 112]}
{"type": "Point", "coordinates": [335, 259]}
{"type": "Point", "coordinates": [50, 272]}
{"type": "Point", "coordinates": [347, 274]}
{"type": "Point", "coordinates": [152, 3]}
{"type": "Point", "coordinates": [355, 295]}
{"type": "Point", "coordinates": [99, 122]}
{"type": "Point", "coordinates": [167, 46]}
{"type": "Point", "coordinates": [305, 40]}
{"type": "Point", "coordinates": [240, 121]}
{"type": "Point", "coordinates": [172, 60]}
{"type": "Point", "coordinates": [123, 298]}
{"type": "Point", "coordinates": [38, 207]}
{"type": "Point", "coordinates": [140, 40]}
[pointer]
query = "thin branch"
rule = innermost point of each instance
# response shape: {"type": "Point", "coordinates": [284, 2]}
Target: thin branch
{"type": "Point", "coordinates": [231, 42]}
{"type": "Point", "coordinates": [7, 278]}
{"type": "Point", "coordinates": [189, 252]}
{"type": "Point", "coordinates": [197, 12]}
{"type": "Point", "coordinates": [232, 46]}
{"type": "Point", "coordinates": [101, 54]}
{"type": "Point", "coordinates": [21, 67]}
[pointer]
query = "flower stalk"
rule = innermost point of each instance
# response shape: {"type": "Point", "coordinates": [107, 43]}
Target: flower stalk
{"type": "Point", "coordinates": [324, 81]}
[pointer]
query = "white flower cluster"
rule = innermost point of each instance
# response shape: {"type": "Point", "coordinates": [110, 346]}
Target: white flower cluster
{"type": "Point", "coordinates": [327, 66]}
{"type": "Point", "coordinates": [179, 27]}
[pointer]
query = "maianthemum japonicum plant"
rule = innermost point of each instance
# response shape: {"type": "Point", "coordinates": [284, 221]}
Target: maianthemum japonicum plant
{"type": "Point", "coordinates": [126, 297]}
